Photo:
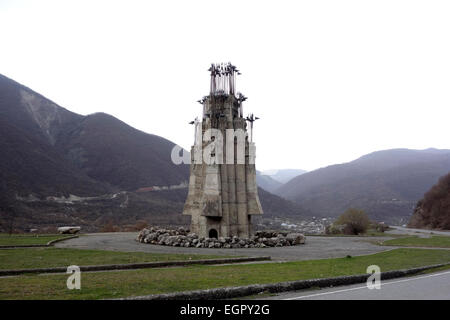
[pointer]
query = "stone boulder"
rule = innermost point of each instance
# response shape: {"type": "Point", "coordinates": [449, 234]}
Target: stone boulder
{"type": "Point", "coordinates": [69, 230]}
{"type": "Point", "coordinates": [295, 238]}
{"type": "Point", "coordinates": [184, 238]}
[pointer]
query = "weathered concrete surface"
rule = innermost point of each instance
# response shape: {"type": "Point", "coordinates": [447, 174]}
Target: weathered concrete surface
{"type": "Point", "coordinates": [315, 247]}
{"type": "Point", "coordinates": [223, 194]}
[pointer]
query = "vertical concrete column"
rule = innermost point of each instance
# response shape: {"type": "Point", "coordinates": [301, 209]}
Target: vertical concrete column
{"type": "Point", "coordinates": [241, 199]}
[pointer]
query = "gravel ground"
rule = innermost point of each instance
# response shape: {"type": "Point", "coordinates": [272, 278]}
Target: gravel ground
{"type": "Point", "coordinates": [316, 247]}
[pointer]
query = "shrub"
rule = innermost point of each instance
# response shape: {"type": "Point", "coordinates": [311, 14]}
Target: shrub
{"type": "Point", "coordinates": [379, 227]}
{"type": "Point", "coordinates": [353, 221]}
{"type": "Point", "coordinates": [334, 229]}
{"type": "Point", "coordinates": [141, 224]}
{"type": "Point", "coordinates": [109, 227]}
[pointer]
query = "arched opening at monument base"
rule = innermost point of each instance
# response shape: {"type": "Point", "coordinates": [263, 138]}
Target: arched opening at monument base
{"type": "Point", "coordinates": [213, 233]}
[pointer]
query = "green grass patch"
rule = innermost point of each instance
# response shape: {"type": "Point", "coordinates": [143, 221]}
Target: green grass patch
{"type": "Point", "coordinates": [28, 239]}
{"type": "Point", "coordinates": [432, 242]}
{"type": "Point", "coordinates": [26, 258]}
{"type": "Point", "coordinates": [98, 285]}
{"type": "Point", "coordinates": [368, 233]}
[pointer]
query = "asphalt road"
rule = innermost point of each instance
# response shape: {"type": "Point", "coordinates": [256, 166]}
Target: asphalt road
{"type": "Point", "coordinates": [416, 232]}
{"type": "Point", "coordinates": [435, 286]}
{"type": "Point", "coordinates": [315, 247]}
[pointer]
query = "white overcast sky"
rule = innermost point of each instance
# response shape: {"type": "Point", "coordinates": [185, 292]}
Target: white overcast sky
{"type": "Point", "coordinates": [330, 80]}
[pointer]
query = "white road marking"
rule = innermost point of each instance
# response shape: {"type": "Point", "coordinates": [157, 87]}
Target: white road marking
{"type": "Point", "coordinates": [365, 287]}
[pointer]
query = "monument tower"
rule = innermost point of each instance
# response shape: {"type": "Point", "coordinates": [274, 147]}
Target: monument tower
{"type": "Point", "coordinates": [222, 193]}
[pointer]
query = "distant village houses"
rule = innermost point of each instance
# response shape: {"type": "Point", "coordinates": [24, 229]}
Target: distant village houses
{"type": "Point", "coordinates": [182, 185]}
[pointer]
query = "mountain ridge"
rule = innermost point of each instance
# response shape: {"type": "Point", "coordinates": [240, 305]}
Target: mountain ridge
{"type": "Point", "coordinates": [283, 175]}
{"type": "Point", "coordinates": [385, 183]}
{"type": "Point", "coordinates": [59, 167]}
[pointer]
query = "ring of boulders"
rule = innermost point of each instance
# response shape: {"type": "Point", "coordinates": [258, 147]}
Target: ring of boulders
{"type": "Point", "coordinates": [182, 237]}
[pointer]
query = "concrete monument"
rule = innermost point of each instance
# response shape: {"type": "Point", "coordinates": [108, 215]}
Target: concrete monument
{"type": "Point", "coordinates": [223, 194]}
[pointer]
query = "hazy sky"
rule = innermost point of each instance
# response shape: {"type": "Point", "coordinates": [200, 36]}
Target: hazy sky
{"type": "Point", "coordinates": [330, 80]}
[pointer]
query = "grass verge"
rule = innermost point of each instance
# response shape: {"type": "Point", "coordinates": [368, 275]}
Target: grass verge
{"type": "Point", "coordinates": [26, 258]}
{"type": "Point", "coordinates": [101, 285]}
{"type": "Point", "coordinates": [28, 239]}
{"type": "Point", "coordinates": [368, 233]}
{"type": "Point", "coordinates": [432, 242]}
